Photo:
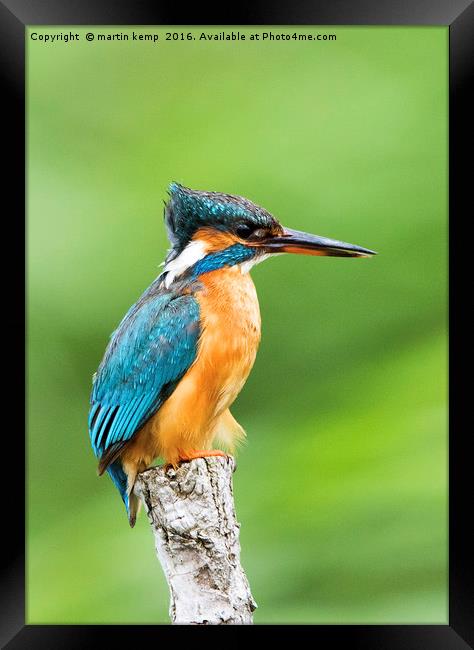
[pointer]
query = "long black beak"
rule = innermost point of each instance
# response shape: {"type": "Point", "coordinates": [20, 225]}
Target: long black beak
{"type": "Point", "coordinates": [295, 241]}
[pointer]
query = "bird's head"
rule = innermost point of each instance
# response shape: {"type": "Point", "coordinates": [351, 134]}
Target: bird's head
{"type": "Point", "coordinates": [209, 230]}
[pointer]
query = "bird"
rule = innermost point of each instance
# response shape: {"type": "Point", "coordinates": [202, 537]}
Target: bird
{"type": "Point", "coordinates": [182, 353]}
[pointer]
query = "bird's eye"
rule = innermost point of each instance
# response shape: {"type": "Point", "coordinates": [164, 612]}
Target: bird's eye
{"type": "Point", "coordinates": [246, 231]}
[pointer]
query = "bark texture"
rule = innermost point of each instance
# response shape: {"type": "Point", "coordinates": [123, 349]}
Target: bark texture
{"type": "Point", "coordinates": [192, 515]}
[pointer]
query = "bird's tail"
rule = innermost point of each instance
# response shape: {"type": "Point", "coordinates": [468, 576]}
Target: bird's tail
{"type": "Point", "coordinates": [131, 501]}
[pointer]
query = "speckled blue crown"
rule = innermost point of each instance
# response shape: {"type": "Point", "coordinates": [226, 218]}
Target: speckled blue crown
{"type": "Point", "coordinates": [188, 210]}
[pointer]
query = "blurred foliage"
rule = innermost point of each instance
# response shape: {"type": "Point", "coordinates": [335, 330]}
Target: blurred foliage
{"type": "Point", "coordinates": [341, 488]}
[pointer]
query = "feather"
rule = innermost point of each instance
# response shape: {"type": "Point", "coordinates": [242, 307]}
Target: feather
{"type": "Point", "coordinates": [147, 355]}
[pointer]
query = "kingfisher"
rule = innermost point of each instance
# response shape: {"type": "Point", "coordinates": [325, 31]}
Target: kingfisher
{"type": "Point", "coordinates": [183, 351]}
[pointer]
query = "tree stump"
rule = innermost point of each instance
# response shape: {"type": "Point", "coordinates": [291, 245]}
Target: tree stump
{"type": "Point", "coordinates": [192, 516]}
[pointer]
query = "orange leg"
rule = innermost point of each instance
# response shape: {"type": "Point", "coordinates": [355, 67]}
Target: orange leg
{"type": "Point", "coordinates": [185, 456]}
{"type": "Point", "coordinates": [201, 453]}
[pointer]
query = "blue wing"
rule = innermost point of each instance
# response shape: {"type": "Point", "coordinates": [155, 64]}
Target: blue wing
{"type": "Point", "coordinates": [150, 351]}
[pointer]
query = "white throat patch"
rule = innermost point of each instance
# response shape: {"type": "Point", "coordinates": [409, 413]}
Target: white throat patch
{"type": "Point", "coordinates": [246, 266]}
{"type": "Point", "coordinates": [193, 252]}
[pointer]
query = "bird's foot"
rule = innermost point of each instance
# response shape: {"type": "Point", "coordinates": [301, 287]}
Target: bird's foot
{"type": "Point", "coordinates": [200, 453]}
{"type": "Point", "coordinates": [187, 456]}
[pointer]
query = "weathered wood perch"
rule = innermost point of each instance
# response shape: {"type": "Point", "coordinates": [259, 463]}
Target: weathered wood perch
{"type": "Point", "coordinates": [192, 515]}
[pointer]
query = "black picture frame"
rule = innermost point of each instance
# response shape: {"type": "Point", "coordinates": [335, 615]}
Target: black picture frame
{"type": "Point", "coordinates": [15, 15]}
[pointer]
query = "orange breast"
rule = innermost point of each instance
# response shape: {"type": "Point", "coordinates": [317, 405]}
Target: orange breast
{"type": "Point", "coordinates": [231, 334]}
{"type": "Point", "coordinates": [190, 418]}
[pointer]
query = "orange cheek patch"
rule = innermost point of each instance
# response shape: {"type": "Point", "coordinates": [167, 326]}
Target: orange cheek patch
{"type": "Point", "coordinates": [215, 240]}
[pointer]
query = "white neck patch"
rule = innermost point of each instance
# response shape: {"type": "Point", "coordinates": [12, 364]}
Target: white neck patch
{"type": "Point", "coordinates": [246, 266]}
{"type": "Point", "coordinates": [193, 252]}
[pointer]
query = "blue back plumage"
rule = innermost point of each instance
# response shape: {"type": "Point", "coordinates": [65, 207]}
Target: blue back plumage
{"type": "Point", "coordinates": [149, 352]}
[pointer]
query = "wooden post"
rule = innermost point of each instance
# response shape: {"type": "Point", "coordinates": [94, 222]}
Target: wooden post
{"type": "Point", "coordinates": [192, 516]}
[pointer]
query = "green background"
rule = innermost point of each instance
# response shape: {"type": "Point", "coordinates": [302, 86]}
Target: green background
{"type": "Point", "coordinates": [341, 489]}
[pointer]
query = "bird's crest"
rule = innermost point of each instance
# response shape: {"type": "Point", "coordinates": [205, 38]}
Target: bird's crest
{"type": "Point", "coordinates": [188, 210]}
